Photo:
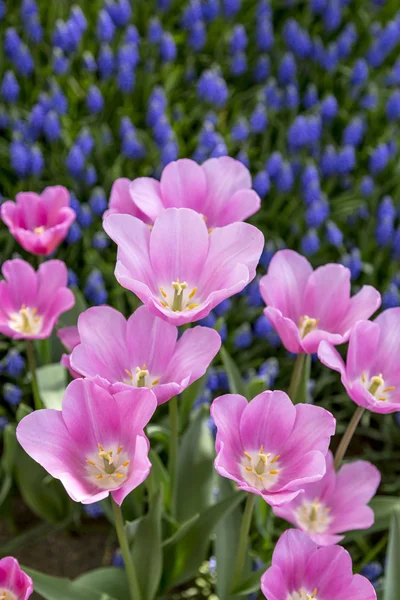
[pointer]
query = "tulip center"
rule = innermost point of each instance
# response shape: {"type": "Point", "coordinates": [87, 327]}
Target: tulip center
{"type": "Point", "coordinates": [109, 469]}
{"type": "Point", "coordinates": [259, 469]}
{"type": "Point", "coordinates": [7, 595]}
{"type": "Point", "coordinates": [377, 387]}
{"type": "Point", "coordinates": [313, 517]}
{"type": "Point", "coordinates": [140, 378]}
{"type": "Point", "coordinates": [39, 230]}
{"type": "Point", "coordinates": [303, 595]}
{"type": "Point", "coordinates": [26, 321]}
{"type": "Point", "coordinates": [307, 325]}
{"type": "Point", "coordinates": [178, 297]}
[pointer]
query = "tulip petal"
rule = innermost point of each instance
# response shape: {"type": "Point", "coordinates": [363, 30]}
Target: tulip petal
{"type": "Point", "coordinates": [183, 185]}
{"type": "Point", "coordinates": [145, 193]}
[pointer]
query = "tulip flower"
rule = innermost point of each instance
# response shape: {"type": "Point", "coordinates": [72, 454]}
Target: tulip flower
{"type": "Point", "coordinates": [177, 269]}
{"type": "Point", "coordinates": [96, 445]}
{"type": "Point", "coordinates": [121, 202]}
{"type": "Point", "coordinates": [336, 503]}
{"type": "Point", "coordinates": [141, 352]}
{"type": "Point", "coordinates": [39, 223]}
{"type": "Point", "coordinates": [69, 337]}
{"type": "Point", "coordinates": [302, 571]}
{"type": "Point", "coordinates": [219, 189]}
{"type": "Point", "coordinates": [14, 583]}
{"type": "Point", "coordinates": [371, 375]}
{"type": "Point", "coordinates": [32, 301]}
{"type": "Point", "coordinates": [307, 306]}
{"type": "Point", "coordinates": [269, 446]}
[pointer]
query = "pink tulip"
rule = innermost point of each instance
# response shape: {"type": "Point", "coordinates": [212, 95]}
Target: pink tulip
{"type": "Point", "coordinates": [14, 583]}
{"type": "Point", "coordinates": [141, 352]}
{"type": "Point", "coordinates": [372, 373]}
{"type": "Point", "coordinates": [32, 301]}
{"type": "Point", "coordinates": [302, 571]}
{"type": "Point", "coordinates": [269, 446]}
{"type": "Point", "coordinates": [307, 306]}
{"type": "Point", "coordinates": [177, 269]}
{"type": "Point", "coordinates": [336, 503]}
{"type": "Point", "coordinates": [220, 190]}
{"type": "Point", "coordinates": [39, 223]}
{"type": "Point", "coordinates": [96, 445]}
{"type": "Point", "coordinates": [69, 337]}
{"type": "Point", "coordinates": [121, 202]}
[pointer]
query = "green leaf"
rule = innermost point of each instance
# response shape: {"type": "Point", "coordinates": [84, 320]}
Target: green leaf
{"type": "Point", "coordinates": [44, 495]}
{"type": "Point", "coordinates": [250, 584]}
{"type": "Point", "coordinates": [188, 398]}
{"type": "Point", "coordinates": [236, 384]}
{"type": "Point", "coordinates": [160, 475]}
{"type": "Point", "coordinates": [256, 386]}
{"type": "Point", "coordinates": [226, 543]}
{"type": "Point", "coordinates": [195, 472]}
{"type": "Point", "coordinates": [392, 575]}
{"type": "Point", "coordinates": [59, 588]}
{"type": "Point", "coordinates": [22, 411]}
{"type": "Point", "coordinates": [147, 549]}
{"type": "Point", "coordinates": [191, 549]}
{"type": "Point", "coordinates": [383, 507]}
{"type": "Point", "coordinates": [10, 448]}
{"type": "Point", "coordinates": [180, 532]}
{"type": "Point", "coordinates": [52, 381]}
{"type": "Point", "coordinates": [110, 580]}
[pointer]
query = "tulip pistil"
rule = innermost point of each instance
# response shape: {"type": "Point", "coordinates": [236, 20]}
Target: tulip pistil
{"type": "Point", "coordinates": [26, 321]}
{"type": "Point", "coordinates": [313, 517]}
{"type": "Point", "coordinates": [39, 230]}
{"type": "Point", "coordinates": [256, 468]}
{"type": "Point", "coordinates": [307, 325]}
{"type": "Point", "coordinates": [109, 468]}
{"type": "Point", "coordinates": [376, 386]}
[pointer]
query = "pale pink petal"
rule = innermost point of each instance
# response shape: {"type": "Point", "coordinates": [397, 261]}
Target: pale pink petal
{"type": "Point", "coordinates": [312, 431]}
{"type": "Point", "coordinates": [325, 539]}
{"type": "Point", "coordinates": [364, 346]}
{"type": "Point", "coordinates": [103, 347]}
{"type": "Point", "coordinates": [226, 412]}
{"type": "Point", "coordinates": [300, 470]}
{"type": "Point", "coordinates": [242, 205]}
{"type": "Point", "coordinates": [330, 571]}
{"type": "Point", "coordinates": [54, 199]}
{"type": "Point", "coordinates": [179, 247]}
{"type": "Point", "coordinates": [121, 201]}
{"type": "Point", "coordinates": [183, 185]}
{"type": "Point", "coordinates": [387, 358]}
{"type": "Point", "coordinates": [69, 337]}
{"type": "Point", "coordinates": [224, 176]}
{"type": "Point", "coordinates": [62, 301]}
{"type": "Point", "coordinates": [284, 285]}
{"type": "Point", "coordinates": [14, 579]}
{"type": "Point", "coordinates": [239, 243]}
{"type": "Point", "coordinates": [285, 328]}
{"type": "Point", "coordinates": [32, 211]}
{"type": "Point", "coordinates": [22, 282]}
{"type": "Point", "coordinates": [135, 406]}
{"type": "Point", "coordinates": [52, 275]}
{"type": "Point", "coordinates": [277, 498]}
{"type": "Point", "coordinates": [139, 470]}
{"type": "Point", "coordinates": [9, 214]}
{"type": "Point", "coordinates": [361, 589]}
{"type": "Point", "coordinates": [267, 421]}
{"type": "Point", "coordinates": [326, 296]}
{"type": "Point", "coordinates": [273, 584]}
{"type": "Point", "coordinates": [291, 555]}
{"type": "Point", "coordinates": [331, 358]}
{"type": "Point", "coordinates": [90, 415]}
{"type": "Point", "coordinates": [146, 194]}
{"type": "Point", "coordinates": [361, 306]}
{"type": "Point", "coordinates": [227, 465]}
{"type": "Point", "coordinates": [312, 340]}
{"type": "Point", "coordinates": [364, 398]}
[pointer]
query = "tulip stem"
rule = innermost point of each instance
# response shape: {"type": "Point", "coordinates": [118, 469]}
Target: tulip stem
{"type": "Point", "coordinates": [173, 442]}
{"type": "Point", "coordinates": [348, 434]}
{"type": "Point", "coordinates": [243, 539]}
{"type": "Point", "coordinates": [126, 553]}
{"type": "Point", "coordinates": [296, 376]}
{"type": "Point", "coordinates": [30, 352]}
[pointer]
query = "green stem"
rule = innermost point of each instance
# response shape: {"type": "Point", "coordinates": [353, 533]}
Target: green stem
{"type": "Point", "coordinates": [126, 553]}
{"type": "Point", "coordinates": [32, 367]}
{"type": "Point", "coordinates": [348, 434]}
{"type": "Point", "coordinates": [296, 376]}
{"type": "Point", "coordinates": [243, 539]}
{"type": "Point", "coordinates": [173, 441]}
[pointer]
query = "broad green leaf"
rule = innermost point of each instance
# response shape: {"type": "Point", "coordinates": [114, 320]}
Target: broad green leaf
{"type": "Point", "coordinates": [250, 584]}
{"type": "Point", "coordinates": [52, 381]}
{"type": "Point", "coordinates": [188, 397]}
{"type": "Point", "coordinates": [57, 588]}
{"type": "Point", "coordinates": [236, 384]}
{"type": "Point", "coordinates": [160, 475]}
{"type": "Point", "coordinates": [383, 507]}
{"type": "Point", "coordinates": [10, 448]}
{"type": "Point", "coordinates": [392, 575]}
{"type": "Point", "coordinates": [226, 542]}
{"type": "Point", "coordinates": [256, 386]}
{"type": "Point", "coordinates": [44, 495]}
{"type": "Point", "coordinates": [191, 549]}
{"type": "Point", "coordinates": [195, 473]}
{"type": "Point", "coordinates": [180, 532]}
{"type": "Point", "coordinates": [22, 411]}
{"type": "Point", "coordinates": [109, 580]}
{"type": "Point", "coordinates": [147, 549]}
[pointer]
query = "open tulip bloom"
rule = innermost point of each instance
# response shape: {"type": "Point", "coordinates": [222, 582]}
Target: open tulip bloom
{"type": "Point", "coordinates": [269, 446]}
{"type": "Point", "coordinates": [302, 571]}
{"type": "Point", "coordinates": [32, 301]}
{"type": "Point", "coordinates": [219, 189]}
{"type": "Point", "coordinates": [14, 583]}
{"type": "Point", "coordinates": [371, 374]}
{"type": "Point", "coordinates": [141, 352]}
{"type": "Point", "coordinates": [96, 445]}
{"type": "Point", "coordinates": [39, 222]}
{"type": "Point", "coordinates": [336, 503]}
{"type": "Point", "coordinates": [307, 306]}
{"type": "Point", "coordinates": [179, 270]}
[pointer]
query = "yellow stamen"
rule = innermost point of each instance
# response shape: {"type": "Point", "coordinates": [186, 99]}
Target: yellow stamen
{"type": "Point", "coordinates": [277, 457]}
{"type": "Point", "coordinates": [100, 447]}
{"type": "Point", "coordinates": [126, 463]}
{"type": "Point", "coordinates": [129, 373]}
{"type": "Point", "coordinates": [99, 477]}
{"type": "Point", "coordinates": [389, 389]}
{"type": "Point", "coordinates": [260, 477]}
{"type": "Point", "coordinates": [119, 475]}
{"type": "Point", "coordinates": [90, 462]}
{"type": "Point", "coordinates": [164, 304]}
{"type": "Point", "coordinates": [363, 377]}
{"type": "Point", "coordinates": [249, 469]}
{"type": "Point", "coordinates": [120, 450]}
{"type": "Point", "coordinates": [382, 399]}
{"type": "Point", "coordinates": [156, 381]}
{"type": "Point", "coordinates": [192, 306]}
{"type": "Point", "coordinates": [192, 293]}
{"type": "Point", "coordinates": [163, 293]}
{"type": "Point", "coordinates": [247, 455]}
{"type": "Point", "coordinates": [274, 472]}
